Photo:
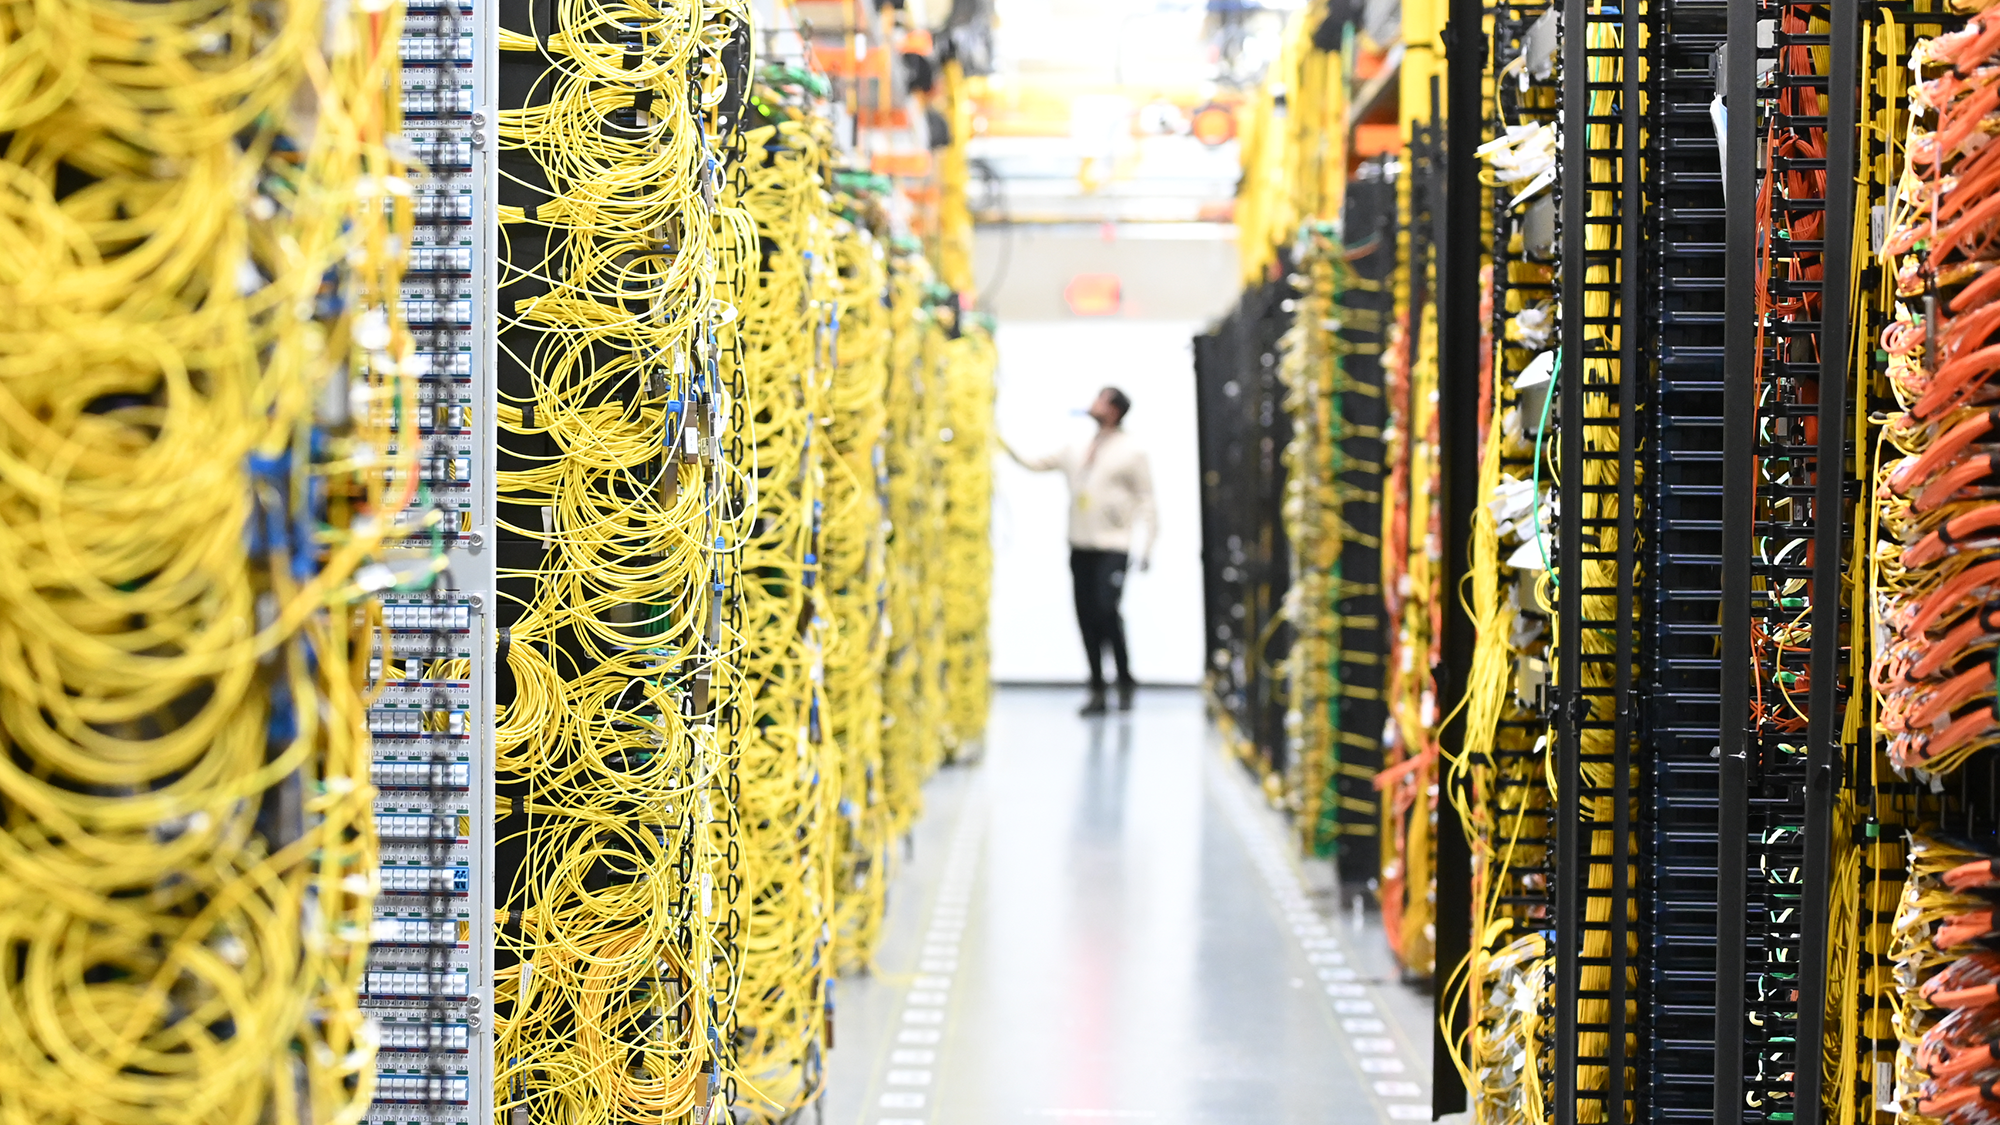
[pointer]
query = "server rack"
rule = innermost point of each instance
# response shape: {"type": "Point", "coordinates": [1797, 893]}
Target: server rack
{"type": "Point", "coordinates": [1767, 693]}
{"type": "Point", "coordinates": [1368, 237]}
{"type": "Point", "coordinates": [1246, 565]}
{"type": "Point", "coordinates": [428, 983]}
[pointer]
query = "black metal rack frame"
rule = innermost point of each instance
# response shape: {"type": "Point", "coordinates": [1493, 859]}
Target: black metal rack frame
{"type": "Point", "coordinates": [1246, 563]}
{"type": "Point", "coordinates": [1597, 671]}
{"type": "Point", "coordinates": [1368, 236]}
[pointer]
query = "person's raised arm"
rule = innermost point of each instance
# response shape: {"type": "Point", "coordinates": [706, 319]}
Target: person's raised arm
{"type": "Point", "coordinates": [1144, 508]}
{"type": "Point", "coordinates": [1032, 464]}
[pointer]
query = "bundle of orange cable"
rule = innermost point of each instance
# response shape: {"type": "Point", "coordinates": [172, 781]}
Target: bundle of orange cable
{"type": "Point", "coordinates": [1934, 670]}
{"type": "Point", "coordinates": [1948, 986]}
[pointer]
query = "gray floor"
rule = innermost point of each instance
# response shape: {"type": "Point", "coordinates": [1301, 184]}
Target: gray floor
{"type": "Point", "coordinates": [1101, 921]}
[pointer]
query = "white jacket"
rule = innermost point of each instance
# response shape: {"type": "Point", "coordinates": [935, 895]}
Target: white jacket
{"type": "Point", "coordinates": [1110, 489]}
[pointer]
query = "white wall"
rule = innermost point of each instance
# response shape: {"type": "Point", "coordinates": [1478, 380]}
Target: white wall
{"type": "Point", "coordinates": [1048, 370]}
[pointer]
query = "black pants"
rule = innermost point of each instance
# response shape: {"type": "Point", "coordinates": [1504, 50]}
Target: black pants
{"type": "Point", "coordinates": [1099, 577]}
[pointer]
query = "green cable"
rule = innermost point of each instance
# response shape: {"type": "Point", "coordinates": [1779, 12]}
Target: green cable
{"type": "Point", "coordinates": [1541, 428]}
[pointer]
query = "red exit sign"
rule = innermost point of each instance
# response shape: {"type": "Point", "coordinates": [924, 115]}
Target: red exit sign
{"type": "Point", "coordinates": [1093, 294]}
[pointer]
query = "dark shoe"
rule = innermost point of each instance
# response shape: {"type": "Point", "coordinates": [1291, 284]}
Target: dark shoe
{"type": "Point", "coordinates": [1125, 693]}
{"type": "Point", "coordinates": [1095, 706]}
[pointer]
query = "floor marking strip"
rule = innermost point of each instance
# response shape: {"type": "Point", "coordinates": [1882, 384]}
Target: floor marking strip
{"type": "Point", "coordinates": [1354, 1012]}
{"type": "Point", "coordinates": [929, 993]}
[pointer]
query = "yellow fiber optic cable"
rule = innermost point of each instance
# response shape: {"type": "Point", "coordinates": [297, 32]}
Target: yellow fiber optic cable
{"type": "Point", "coordinates": [912, 689]}
{"type": "Point", "coordinates": [744, 494]}
{"type": "Point", "coordinates": [620, 931]}
{"type": "Point", "coordinates": [1321, 473]}
{"type": "Point", "coordinates": [854, 576]}
{"type": "Point", "coordinates": [1410, 585]}
{"type": "Point", "coordinates": [954, 242]}
{"type": "Point", "coordinates": [1311, 511]}
{"type": "Point", "coordinates": [788, 765]}
{"type": "Point", "coordinates": [200, 358]}
{"type": "Point", "coordinates": [965, 561]}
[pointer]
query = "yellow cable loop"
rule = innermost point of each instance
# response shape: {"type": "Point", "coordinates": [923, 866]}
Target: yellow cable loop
{"type": "Point", "coordinates": [854, 575]}
{"type": "Point", "coordinates": [789, 766]}
{"type": "Point", "coordinates": [964, 573]}
{"type": "Point", "coordinates": [912, 688]}
{"type": "Point", "coordinates": [197, 285]}
{"type": "Point", "coordinates": [614, 996]}
{"type": "Point", "coordinates": [1310, 510]}
{"type": "Point", "coordinates": [761, 582]}
{"type": "Point", "coordinates": [1412, 601]}
{"type": "Point", "coordinates": [1319, 460]}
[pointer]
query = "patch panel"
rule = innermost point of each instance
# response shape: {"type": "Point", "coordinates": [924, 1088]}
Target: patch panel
{"type": "Point", "coordinates": [421, 774]}
{"type": "Point", "coordinates": [396, 827]}
{"type": "Point", "coordinates": [421, 101]}
{"type": "Point", "coordinates": [394, 982]}
{"type": "Point", "coordinates": [417, 880]}
{"type": "Point", "coordinates": [429, 977]}
{"type": "Point", "coordinates": [390, 930]}
{"type": "Point", "coordinates": [451, 208]}
{"type": "Point", "coordinates": [407, 1035]}
{"type": "Point", "coordinates": [420, 1088]}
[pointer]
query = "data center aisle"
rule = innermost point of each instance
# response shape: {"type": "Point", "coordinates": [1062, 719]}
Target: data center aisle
{"type": "Point", "coordinates": [1099, 922]}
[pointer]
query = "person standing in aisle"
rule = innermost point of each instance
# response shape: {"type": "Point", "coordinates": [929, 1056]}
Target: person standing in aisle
{"type": "Point", "coordinates": [1110, 490]}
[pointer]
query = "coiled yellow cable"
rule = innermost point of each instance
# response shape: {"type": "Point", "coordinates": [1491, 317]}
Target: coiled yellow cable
{"type": "Point", "coordinates": [1413, 603]}
{"type": "Point", "coordinates": [1321, 535]}
{"type": "Point", "coordinates": [204, 376]}
{"type": "Point", "coordinates": [630, 684]}
{"type": "Point", "coordinates": [964, 573]}
{"type": "Point", "coordinates": [911, 743]}
{"type": "Point", "coordinates": [854, 575]}
{"type": "Point", "coordinates": [196, 267]}
{"type": "Point", "coordinates": [788, 767]}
